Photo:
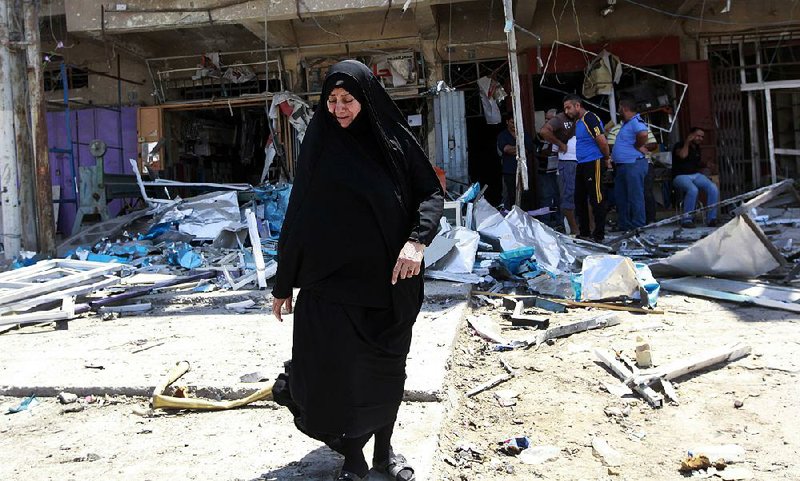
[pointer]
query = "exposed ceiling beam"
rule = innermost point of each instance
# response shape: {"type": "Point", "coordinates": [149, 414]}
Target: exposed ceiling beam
{"type": "Point", "coordinates": [88, 15]}
{"type": "Point", "coordinates": [142, 48]}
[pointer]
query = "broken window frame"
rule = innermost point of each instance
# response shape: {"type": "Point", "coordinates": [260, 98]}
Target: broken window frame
{"type": "Point", "coordinates": [684, 86]}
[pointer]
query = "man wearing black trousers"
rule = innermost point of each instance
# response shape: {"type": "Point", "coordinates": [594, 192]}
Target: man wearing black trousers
{"type": "Point", "coordinates": [593, 159]}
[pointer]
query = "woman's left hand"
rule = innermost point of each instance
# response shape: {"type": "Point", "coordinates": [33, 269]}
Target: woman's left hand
{"type": "Point", "coordinates": [408, 262]}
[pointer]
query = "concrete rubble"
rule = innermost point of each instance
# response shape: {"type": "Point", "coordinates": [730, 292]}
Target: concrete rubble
{"type": "Point", "coordinates": [548, 288]}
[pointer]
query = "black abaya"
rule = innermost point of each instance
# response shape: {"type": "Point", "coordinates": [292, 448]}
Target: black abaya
{"type": "Point", "coordinates": [359, 194]}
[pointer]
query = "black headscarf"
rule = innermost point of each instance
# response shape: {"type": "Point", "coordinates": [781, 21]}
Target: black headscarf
{"type": "Point", "coordinates": [353, 186]}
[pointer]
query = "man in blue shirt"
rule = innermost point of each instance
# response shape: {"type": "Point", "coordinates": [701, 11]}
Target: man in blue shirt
{"type": "Point", "coordinates": [507, 148]}
{"type": "Point", "coordinates": [593, 159]}
{"type": "Point", "coordinates": [630, 165]}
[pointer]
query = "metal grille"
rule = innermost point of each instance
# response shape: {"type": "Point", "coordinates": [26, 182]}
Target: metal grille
{"type": "Point", "coordinates": [726, 100]}
{"type": "Point", "coordinates": [464, 77]}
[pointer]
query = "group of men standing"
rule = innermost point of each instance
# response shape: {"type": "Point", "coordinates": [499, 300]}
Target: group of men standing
{"type": "Point", "coordinates": [576, 153]}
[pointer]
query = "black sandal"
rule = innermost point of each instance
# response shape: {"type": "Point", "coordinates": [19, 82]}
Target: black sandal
{"type": "Point", "coordinates": [348, 476]}
{"type": "Point", "coordinates": [394, 466]}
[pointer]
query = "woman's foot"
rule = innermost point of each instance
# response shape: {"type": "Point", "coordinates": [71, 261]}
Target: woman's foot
{"type": "Point", "coordinates": [355, 466]}
{"type": "Point", "coordinates": [396, 467]}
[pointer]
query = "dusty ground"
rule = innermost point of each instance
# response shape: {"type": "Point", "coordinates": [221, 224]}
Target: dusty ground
{"type": "Point", "coordinates": [561, 401]}
{"type": "Point", "coordinates": [108, 440]}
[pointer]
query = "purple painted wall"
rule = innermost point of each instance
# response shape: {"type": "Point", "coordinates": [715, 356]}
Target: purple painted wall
{"type": "Point", "coordinates": [88, 125]}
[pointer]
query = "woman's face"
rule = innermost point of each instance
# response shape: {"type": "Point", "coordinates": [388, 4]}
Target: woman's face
{"type": "Point", "coordinates": [343, 106]}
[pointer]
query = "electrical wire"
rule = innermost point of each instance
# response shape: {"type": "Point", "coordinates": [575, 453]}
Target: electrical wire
{"type": "Point", "coordinates": [554, 50]}
{"type": "Point", "coordinates": [578, 29]}
{"type": "Point", "coordinates": [489, 23]}
{"type": "Point", "coordinates": [714, 21]}
{"type": "Point", "coordinates": [386, 16]}
{"type": "Point", "coordinates": [450, 41]}
{"type": "Point", "coordinates": [314, 19]}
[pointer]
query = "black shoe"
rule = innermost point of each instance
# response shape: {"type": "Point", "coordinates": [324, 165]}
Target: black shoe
{"type": "Point", "coordinates": [712, 223]}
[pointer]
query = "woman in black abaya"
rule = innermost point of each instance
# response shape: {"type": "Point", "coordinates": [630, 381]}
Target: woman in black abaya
{"type": "Point", "coordinates": [364, 204]}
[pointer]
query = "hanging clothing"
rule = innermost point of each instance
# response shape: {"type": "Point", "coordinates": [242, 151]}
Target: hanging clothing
{"type": "Point", "coordinates": [601, 74]}
{"type": "Point", "coordinates": [359, 194]}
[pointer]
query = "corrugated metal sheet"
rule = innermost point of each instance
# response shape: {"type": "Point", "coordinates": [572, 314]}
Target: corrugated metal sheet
{"type": "Point", "coordinates": [451, 138]}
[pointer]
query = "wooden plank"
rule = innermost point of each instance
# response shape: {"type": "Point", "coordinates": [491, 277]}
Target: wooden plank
{"type": "Point", "coordinates": [752, 289]}
{"type": "Point", "coordinates": [142, 291]}
{"type": "Point", "coordinates": [524, 320]}
{"type": "Point", "coordinates": [610, 360]}
{"type": "Point", "coordinates": [99, 270]}
{"type": "Point", "coordinates": [676, 286]}
{"type": "Point", "coordinates": [13, 285]}
{"type": "Point", "coordinates": [534, 301]}
{"type": "Point", "coordinates": [697, 362]}
{"type": "Point", "coordinates": [58, 295]}
{"type": "Point", "coordinates": [780, 189]}
{"type": "Point", "coordinates": [612, 307]}
{"type": "Point", "coordinates": [495, 381]}
{"type": "Point", "coordinates": [258, 255]}
{"type": "Point", "coordinates": [34, 317]}
{"type": "Point", "coordinates": [765, 240]}
{"type": "Point", "coordinates": [128, 309]}
{"type": "Point", "coordinates": [15, 275]}
{"type": "Point", "coordinates": [482, 327]}
{"type": "Point", "coordinates": [596, 322]}
{"type": "Point", "coordinates": [669, 390]}
{"type": "Point", "coordinates": [243, 281]}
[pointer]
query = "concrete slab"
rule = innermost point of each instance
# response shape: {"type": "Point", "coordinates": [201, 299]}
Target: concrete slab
{"type": "Point", "coordinates": [130, 355]}
{"type": "Point", "coordinates": [255, 443]}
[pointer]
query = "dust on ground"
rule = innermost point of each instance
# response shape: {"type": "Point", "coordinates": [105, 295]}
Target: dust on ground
{"type": "Point", "coordinates": [562, 402]}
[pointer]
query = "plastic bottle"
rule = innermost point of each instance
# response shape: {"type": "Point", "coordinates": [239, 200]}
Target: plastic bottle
{"type": "Point", "coordinates": [643, 357]}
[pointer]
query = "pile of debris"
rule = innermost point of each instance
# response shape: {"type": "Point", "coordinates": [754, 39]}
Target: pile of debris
{"type": "Point", "coordinates": [535, 274]}
{"type": "Point", "coordinates": [518, 254]}
{"type": "Point", "coordinates": [222, 239]}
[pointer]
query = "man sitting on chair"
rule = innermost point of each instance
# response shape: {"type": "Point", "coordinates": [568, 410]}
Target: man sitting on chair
{"type": "Point", "coordinates": [689, 177]}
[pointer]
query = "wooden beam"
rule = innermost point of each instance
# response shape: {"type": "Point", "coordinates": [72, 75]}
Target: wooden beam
{"type": "Point", "coordinates": [621, 371]}
{"type": "Point", "coordinates": [697, 362]}
{"type": "Point", "coordinates": [58, 295]}
{"type": "Point", "coordinates": [676, 285]}
{"type": "Point", "coordinates": [780, 189]}
{"type": "Point", "coordinates": [258, 254]}
{"type": "Point", "coordinates": [499, 379]}
{"type": "Point", "coordinates": [596, 322]}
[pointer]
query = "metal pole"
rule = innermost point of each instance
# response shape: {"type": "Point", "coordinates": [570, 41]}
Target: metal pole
{"type": "Point", "coordinates": [45, 223]}
{"type": "Point", "coordinates": [522, 161]}
{"type": "Point", "coordinates": [773, 171]}
{"type": "Point", "coordinates": [612, 104]}
{"type": "Point", "coordinates": [22, 131]}
{"type": "Point", "coordinates": [9, 190]}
